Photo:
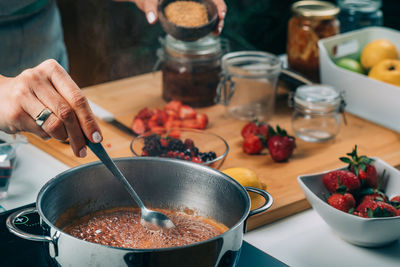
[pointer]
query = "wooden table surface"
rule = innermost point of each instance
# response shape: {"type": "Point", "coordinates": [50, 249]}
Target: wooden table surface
{"type": "Point", "coordinates": [124, 98]}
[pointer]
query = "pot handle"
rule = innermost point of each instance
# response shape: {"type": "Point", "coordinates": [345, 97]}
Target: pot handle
{"type": "Point", "coordinates": [268, 200]}
{"type": "Point", "coordinates": [18, 232]}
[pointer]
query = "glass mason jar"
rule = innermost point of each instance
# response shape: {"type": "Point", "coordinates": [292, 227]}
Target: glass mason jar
{"type": "Point", "coordinates": [356, 14]}
{"type": "Point", "coordinates": [190, 70]}
{"type": "Point", "coordinates": [316, 116]}
{"type": "Point", "coordinates": [311, 21]}
{"type": "Point", "coordinates": [248, 84]}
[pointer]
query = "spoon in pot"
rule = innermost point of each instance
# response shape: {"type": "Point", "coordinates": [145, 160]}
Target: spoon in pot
{"type": "Point", "coordinates": [150, 219]}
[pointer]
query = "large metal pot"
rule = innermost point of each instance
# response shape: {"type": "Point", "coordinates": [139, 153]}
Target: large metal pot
{"type": "Point", "coordinates": [161, 183]}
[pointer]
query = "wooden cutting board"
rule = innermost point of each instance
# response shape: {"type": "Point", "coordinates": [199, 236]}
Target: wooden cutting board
{"type": "Point", "coordinates": [124, 98]}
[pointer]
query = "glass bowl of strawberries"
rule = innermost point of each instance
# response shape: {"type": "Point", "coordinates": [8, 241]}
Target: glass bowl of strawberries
{"type": "Point", "coordinates": [360, 202]}
{"type": "Point", "coordinates": [184, 144]}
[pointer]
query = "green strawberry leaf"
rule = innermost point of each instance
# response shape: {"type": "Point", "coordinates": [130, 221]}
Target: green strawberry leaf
{"type": "Point", "coordinates": [370, 213]}
{"type": "Point", "coordinates": [366, 191]}
{"type": "Point", "coordinates": [363, 167]}
{"type": "Point", "coordinates": [351, 211]}
{"type": "Point", "coordinates": [355, 170]}
{"type": "Point", "coordinates": [345, 160]}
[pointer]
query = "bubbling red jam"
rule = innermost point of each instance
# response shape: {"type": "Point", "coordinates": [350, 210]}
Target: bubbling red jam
{"type": "Point", "coordinates": [120, 227]}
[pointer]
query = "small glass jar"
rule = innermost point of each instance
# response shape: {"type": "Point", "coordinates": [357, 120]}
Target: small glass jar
{"type": "Point", "coordinates": [356, 14]}
{"type": "Point", "coordinates": [311, 21]}
{"type": "Point", "coordinates": [316, 116]}
{"type": "Point", "coordinates": [190, 70]}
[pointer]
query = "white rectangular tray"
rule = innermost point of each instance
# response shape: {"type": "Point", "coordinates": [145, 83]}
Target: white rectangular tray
{"type": "Point", "coordinates": [370, 99]}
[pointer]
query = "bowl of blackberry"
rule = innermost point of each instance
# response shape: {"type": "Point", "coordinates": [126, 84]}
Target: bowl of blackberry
{"type": "Point", "coordinates": [193, 145]}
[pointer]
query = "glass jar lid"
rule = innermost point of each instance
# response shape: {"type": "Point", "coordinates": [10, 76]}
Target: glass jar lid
{"type": "Point", "coordinates": [203, 46]}
{"type": "Point", "coordinates": [317, 98]}
{"type": "Point", "coordinates": [315, 9]}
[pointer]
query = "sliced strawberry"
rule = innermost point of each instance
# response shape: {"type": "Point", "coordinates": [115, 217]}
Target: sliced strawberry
{"type": "Point", "coordinates": [173, 124]}
{"type": "Point", "coordinates": [139, 126]}
{"type": "Point", "coordinates": [202, 119]}
{"type": "Point", "coordinates": [144, 114]}
{"type": "Point", "coordinates": [187, 112]}
{"type": "Point", "coordinates": [157, 130]}
{"type": "Point", "coordinates": [192, 124]}
{"type": "Point", "coordinates": [174, 105]}
{"type": "Point", "coordinates": [174, 134]}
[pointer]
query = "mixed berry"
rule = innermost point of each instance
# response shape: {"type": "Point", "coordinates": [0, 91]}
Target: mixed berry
{"type": "Point", "coordinates": [170, 147]}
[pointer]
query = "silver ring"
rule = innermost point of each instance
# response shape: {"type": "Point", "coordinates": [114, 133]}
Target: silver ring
{"type": "Point", "coordinates": [43, 116]}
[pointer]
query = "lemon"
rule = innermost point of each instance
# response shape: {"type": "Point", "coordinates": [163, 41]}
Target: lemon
{"type": "Point", "coordinates": [376, 51]}
{"type": "Point", "coordinates": [247, 177]}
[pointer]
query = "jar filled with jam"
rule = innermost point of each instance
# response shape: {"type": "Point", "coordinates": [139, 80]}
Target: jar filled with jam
{"type": "Point", "coordinates": [190, 70]}
{"type": "Point", "coordinates": [311, 21]}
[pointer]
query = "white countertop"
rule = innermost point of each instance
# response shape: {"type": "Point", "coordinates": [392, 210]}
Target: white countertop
{"type": "Point", "coordinates": [303, 239]}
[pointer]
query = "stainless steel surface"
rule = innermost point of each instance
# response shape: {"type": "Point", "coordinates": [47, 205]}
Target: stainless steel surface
{"type": "Point", "coordinates": [148, 218]}
{"type": "Point", "coordinates": [10, 222]}
{"type": "Point", "coordinates": [161, 183]}
{"type": "Point", "coordinates": [268, 200]}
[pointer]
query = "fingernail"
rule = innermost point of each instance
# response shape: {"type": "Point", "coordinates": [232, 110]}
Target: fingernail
{"type": "Point", "coordinates": [96, 137]}
{"type": "Point", "coordinates": [82, 152]}
{"type": "Point", "coordinates": [151, 17]}
{"type": "Point", "coordinates": [223, 14]}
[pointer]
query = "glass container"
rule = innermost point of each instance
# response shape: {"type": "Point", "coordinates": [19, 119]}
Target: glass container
{"type": "Point", "coordinates": [190, 70]}
{"type": "Point", "coordinates": [311, 21]}
{"type": "Point", "coordinates": [356, 14]}
{"type": "Point", "coordinates": [316, 116]}
{"type": "Point", "coordinates": [248, 84]}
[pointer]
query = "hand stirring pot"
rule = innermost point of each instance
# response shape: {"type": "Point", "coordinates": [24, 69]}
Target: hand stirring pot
{"type": "Point", "coordinates": [150, 219]}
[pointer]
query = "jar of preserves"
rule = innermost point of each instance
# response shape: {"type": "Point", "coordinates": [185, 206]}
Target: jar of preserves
{"type": "Point", "coordinates": [316, 115]}
{"type": "Point", "coordinates": [311, 21]}
{"type": "Point", "coordinates": [190, 70]}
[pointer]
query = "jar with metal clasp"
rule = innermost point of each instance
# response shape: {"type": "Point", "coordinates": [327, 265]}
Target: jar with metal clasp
{"type": "Point", "coordinates": [316, 115]}
{"type": "Point", "coordinates": [190, 70]}
{"type": "Point", "coordinates": [311, 21]}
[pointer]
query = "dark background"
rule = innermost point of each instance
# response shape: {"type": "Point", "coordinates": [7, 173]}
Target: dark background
{"type": "Point", "coordinates": [109, 40]}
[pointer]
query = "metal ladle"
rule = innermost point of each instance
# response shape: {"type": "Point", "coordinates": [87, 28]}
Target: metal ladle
{"type": "Point", "coordinates": [150, 219]}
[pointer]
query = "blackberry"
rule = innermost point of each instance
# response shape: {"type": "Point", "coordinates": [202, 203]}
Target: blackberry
{"type": "Point", "coordinates": [187, 152]}
{"type": "Point", "coordinates": [152, 145]}
{"type": "Point", "coordinates": [176, 145]}
{"type": "Point", "coordinates": [195, 151]}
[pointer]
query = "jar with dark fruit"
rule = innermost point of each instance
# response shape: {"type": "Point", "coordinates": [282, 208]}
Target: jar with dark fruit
{"type": "Point", "coordinates": [311, 21]}
{"type": "Point", "coordinates": [190, 70]}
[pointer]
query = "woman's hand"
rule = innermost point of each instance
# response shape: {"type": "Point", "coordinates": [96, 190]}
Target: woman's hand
{"type": "Point", "coordinates": [149, 7]}
{"type": "Point", "coordinates": [48, 86]}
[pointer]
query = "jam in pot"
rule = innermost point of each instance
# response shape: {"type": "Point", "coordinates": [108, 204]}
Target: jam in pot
{"type": "Point", "coordinates": [120, 227]}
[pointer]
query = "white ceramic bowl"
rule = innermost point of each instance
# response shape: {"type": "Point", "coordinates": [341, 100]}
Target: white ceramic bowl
{"type": "Point", "coordinates": [367, 232]}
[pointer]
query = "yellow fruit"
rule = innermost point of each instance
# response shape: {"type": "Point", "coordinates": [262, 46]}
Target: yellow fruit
{"type": "Point", "coordinates": [388, 70]}
{"type": "Point", "coordinates": [376, 51]}
{"type": "Point", "coordinates": [247, 177]}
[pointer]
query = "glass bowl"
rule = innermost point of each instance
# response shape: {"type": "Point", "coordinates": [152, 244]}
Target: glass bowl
{"type": "Point", "coordinates": [205, 142]}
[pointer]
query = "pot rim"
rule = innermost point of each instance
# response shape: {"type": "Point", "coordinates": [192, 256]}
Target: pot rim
{"type": "Point", "coordinates": [61, 175]}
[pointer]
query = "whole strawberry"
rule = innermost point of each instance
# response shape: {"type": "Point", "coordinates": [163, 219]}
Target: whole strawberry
{"type": "Point", "coordinates": [252, 144]}
{"type": "Point", "coordinates": [362, 167]}
{"type": "Point", "coordinates": [341, 181]}
{"type": "Point", "coordinates": [280, 145]}
{"type": "Point", "coordinates": [249, 128]}
{"type": "Point", "coordinates": [375, 209]}
{"type": "Point", "coordinates": [343, 202]}
{"type": "Point", "coordinates": [256, 128]}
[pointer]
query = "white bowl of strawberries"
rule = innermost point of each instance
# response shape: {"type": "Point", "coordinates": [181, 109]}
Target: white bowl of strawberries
{"type": "Point", "coordinates": [361, 202]}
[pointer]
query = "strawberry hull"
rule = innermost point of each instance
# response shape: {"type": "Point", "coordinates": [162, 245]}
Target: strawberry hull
{"type": "Point", "coordinates": [367, 232]}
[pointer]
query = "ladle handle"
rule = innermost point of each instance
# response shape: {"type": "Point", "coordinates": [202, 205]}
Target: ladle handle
{"type": "Point", "coordinates": [98, 149]}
